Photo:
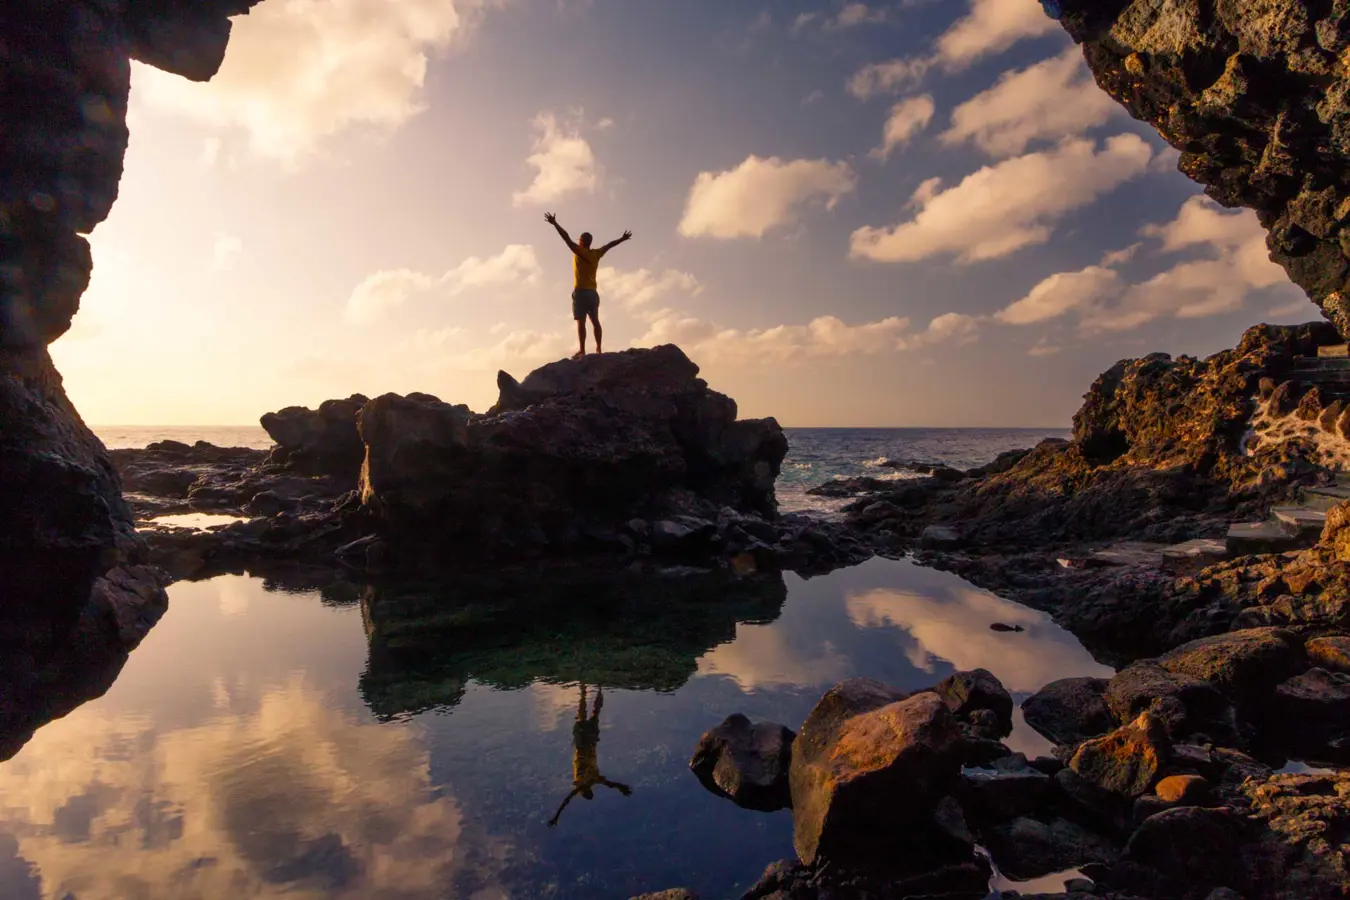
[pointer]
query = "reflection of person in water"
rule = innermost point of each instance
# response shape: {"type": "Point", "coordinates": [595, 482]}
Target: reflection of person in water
{"type": "Point", "coordinates": [585, 764]}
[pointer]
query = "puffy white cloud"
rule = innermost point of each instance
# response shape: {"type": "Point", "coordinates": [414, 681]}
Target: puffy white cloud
{"type": "Point", "coordinates": [298, 71]}
{"type": "Point", "coordinates": [638, 290]}
{"type": "Point", "coordinates": [1003, 208]}
{"type": "Point", "coordinates": [563, 161]}
{"type": "Point", "coordinates": [1054, 99]}
{"type": "Point", "coordinates": [990, 27]}
{"type": "Point", "coordinates": [908, 118]}
{"type": "Point", "coordinates": [522, 350]}
{"type": "Point", "coordinates": [823, 337]}
{"type": "Point", "coordinates": [889, 77]}
{"type": "Point", "coordinates": [1237, 266]}
{"type": "Point", "coordinates": [762, 194]}
{"type": "Point", "coordinates": [1061, 293]}
{"type": "Point", "coordinates": [1114, 258]}
{"type": "Point", "coordinates": [225, 251]}
{"type": "Point", "coordinates": [387, 290]}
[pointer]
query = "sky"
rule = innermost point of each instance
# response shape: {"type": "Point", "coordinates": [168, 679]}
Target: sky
{"type": "Point", "coordinates": [899, 213]}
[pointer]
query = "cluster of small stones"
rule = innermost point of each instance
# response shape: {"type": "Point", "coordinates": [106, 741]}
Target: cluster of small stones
{"type": "Point", "coordinates": [1283, 414]}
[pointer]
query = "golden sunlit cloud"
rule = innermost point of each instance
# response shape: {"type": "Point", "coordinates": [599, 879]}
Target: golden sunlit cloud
{"type": "Point", "coordinates": [761, 194]}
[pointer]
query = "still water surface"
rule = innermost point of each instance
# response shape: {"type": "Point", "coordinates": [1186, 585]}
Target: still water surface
{"type": "Point", "coordinates": [260, 745]}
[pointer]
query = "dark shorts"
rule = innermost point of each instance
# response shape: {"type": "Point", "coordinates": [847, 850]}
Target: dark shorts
{"type": "Point", "coordinates": [585, 303]}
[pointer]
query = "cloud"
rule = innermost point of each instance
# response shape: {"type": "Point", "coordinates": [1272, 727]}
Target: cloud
{"type": "Point", "coordinates": [908, 118]}
{"type": "Point", "coordinates": [299, 71]}
{"type": "Point", "coordinates": [522, 350]}
{"type": "Point", "coordinates": [1114, 258]}
{"type": "Point", "coordinates": [638, 290]}
{"type": "Point", "coordinates": [224, 252]}
{"type": "Point", "coordinates": [823, 337]}
{"type": "Point", "coordinates": [1043, 348]}
{"type": "Point", "coordinates": [563, 161]}
{"type": "Point", "coordinates": [762, 194]}
{"type": "Point", "coordinates": [1060, 293]}
{"type": "Point", "coordinates": [1237, 266]}
{"type": "Point", "coordinates": [1054, 99]}
{"type": "Point", "coordinates": [888, 77]}
{"type": "Point", "coordinates": [1003, 208]}
{"type": "Point", "coordinates": [990, 27]}
{"type": "Point", "coordinates": [761, 656]}
{"type": "Point", "coordinates": [285, 798]}
{"type": "Point", "coordinates": [955, 628]}
{"type": "Point", "coordinates": [854, 14]}
{"type": "Point", "coordinates": [802, 21]}
{"type": "Point", "coordinates": [387, 290]}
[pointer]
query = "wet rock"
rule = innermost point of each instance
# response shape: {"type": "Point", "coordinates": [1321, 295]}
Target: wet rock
{"type": "Point", "coordinates": [976, 691]}
{"type": "Point", "coordinates": [1330, 652]}
{"type": "Point", "coordinates": [1070, 710]}
{"type": "Point", "coordinates": [1127, 761]}
{"type": "Point", "coordinates": [940, 537]}
{"type": "Point", "coordinates": [1028, 848]}
{"type": "Point", "coordinates": [1010, 787]}
{"type": "Point", "coordinates": [746, 762]}
{"type": "Point", "coordinates": [790, 880]}
{"type": "Point", "coordinates": [870, 764]}
{"type": "Point", "coordinates": [1190, 790]}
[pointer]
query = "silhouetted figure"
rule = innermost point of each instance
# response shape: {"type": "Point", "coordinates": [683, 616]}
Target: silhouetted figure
{"type": "Point", "coordinates": [585, 765]}
{"type": "Point", "coordinates": [586, 296]}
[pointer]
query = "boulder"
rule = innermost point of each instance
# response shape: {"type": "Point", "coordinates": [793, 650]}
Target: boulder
{"type": "Point", "coordinates": [579, 447]}
{"type": "Point", "coordinates": [969, 693]}
{"type": "Point", "coordinates": [1241, 664]}
{"type": "Point", "coordinates": [746, 762]}
{"type": "Point", "coordinates": [1313, 709]}
{"type": "Point", "coordinates": [1330, 652]}
{"type": "Point", "coordinates": [1027, 848]}
{"type": "Point", "coordinates": [1186, 851]}
{"type": "Point", "coordinates": [1191, 790]}
{"type": "Point", "coordinates": [322, 441]}
{"type": "Point", "coordinates": [1008, 788]}
{"type": "Point", "coordinates": [1187, 706]}
{"type": "Point", "coordinates": [1127, 761]}
{"type": "Point", "coordinates": [1070, 710]}
{"type": "Point", "coordinates": [869, 768]}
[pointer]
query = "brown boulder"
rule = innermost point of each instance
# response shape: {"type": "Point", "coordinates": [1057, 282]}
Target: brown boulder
{"type": "Point", "coordinates": [1240, 663]}
{"type": "Point", "coordinates": [1127, 761]}
{"type": "Point", "coordinates": [969, 693]}
{"type": "Point", "coordinates": [1188, 789]}
{"type": "Point", "coordinates": [869, 769]}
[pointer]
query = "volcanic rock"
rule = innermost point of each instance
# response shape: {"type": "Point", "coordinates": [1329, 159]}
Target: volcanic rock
{"type": "Point", "coordinates": [579, 447]}
{"type": "Point", "coordinates": [870, 766]}
{"type": "Point", "coordinates": [1127, 761]}
{"type": "Point", "coordinates": [746, 762]}
{"type": "Point", "coordinates": [968, 693]}
{"type": "Point", "coordinates": [1070, 710]}
{"type": "Point", "coordinates": [321, 441]}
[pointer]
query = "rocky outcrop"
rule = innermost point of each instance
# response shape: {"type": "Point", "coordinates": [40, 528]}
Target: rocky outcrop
{"type": "Point", "coordinates": [746, 762]}
{"type": "Point", "coordinates": [869, 765]}
{"type": "Point", "coordinates": [567, 457]}
{"type": "Point", "coordinates": [322, 441]}
{"type": "Point", "coordinates": [1253, 93]}
{"type": "Point", "coordinates": [74, 595]}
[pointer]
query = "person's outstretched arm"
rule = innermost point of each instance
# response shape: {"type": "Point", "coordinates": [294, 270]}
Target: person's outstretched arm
{"type": "Point", "coordinates": [621, 788]}
{"type": "Point", "coordinates": [627, 236]}
{"type": "Point", "coordinates": [551, 219]}
{"type": "Point", "coordinates": [557, 815]}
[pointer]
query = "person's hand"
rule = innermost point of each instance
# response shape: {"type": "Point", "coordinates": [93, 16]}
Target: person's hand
{"type": "Point", "coordinates": [550, 218]}
{"type": "Point", "coordinates": [627, 235]}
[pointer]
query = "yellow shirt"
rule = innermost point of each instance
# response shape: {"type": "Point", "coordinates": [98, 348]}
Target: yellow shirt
{"type": "Point", "coordinates": [584, 265]}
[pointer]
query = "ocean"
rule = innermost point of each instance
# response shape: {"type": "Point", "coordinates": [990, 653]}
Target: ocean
{"type": "Point", "coordinates": [816, 455]}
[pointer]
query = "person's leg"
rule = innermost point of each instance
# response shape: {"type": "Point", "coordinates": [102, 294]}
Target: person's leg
{"type": "Point", "coordinates": [579, 313]}
{"type": "Point", "coordinates": [595, 324]}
